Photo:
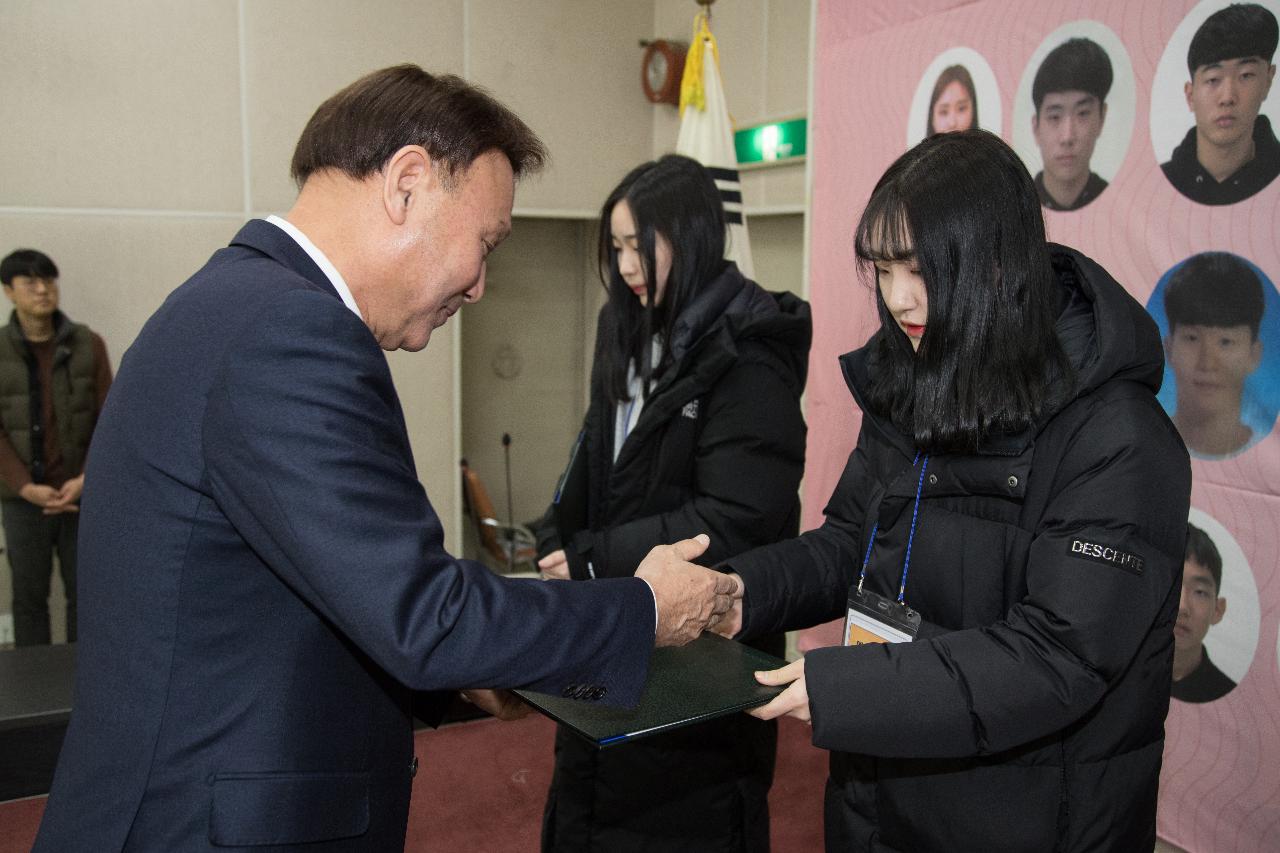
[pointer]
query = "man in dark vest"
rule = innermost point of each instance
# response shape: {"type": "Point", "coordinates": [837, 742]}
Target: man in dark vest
{"type": "Point", "coordinates": [54, 377]}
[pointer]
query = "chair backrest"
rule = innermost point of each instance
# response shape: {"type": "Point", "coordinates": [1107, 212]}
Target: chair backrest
{"type": "Point", "coordinates": [480, 507]}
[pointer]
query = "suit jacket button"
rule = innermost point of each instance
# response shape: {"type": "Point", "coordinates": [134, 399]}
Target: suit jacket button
{"type": "Point", "coordinates": [569, 691]}
{"type": "Point", "coordinates": [413, 767]}
{"type": "Point", "coordinates": [597, 693]}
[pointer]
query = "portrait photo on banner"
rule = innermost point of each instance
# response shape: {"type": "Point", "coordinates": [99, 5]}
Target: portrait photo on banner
{"type": "Point", "coordinates": [1073, 113]}
{"type": "Point", "coordinates": [1219, 317]}
{"type": "Point", "coordinates": [1216, 633]}
{"type": "Point", "coordinates": [1214, 103]}
{"type": "Point", "coordinates": [958, 91]}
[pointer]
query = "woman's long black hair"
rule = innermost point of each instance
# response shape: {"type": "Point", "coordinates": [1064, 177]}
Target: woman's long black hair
{"type": "Point", "coordinates": [676, 197]}
{"type": "Point", "coordinates": [963, 206]}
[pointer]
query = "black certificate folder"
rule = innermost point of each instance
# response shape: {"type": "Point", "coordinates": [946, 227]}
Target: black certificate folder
{"type": "Point", "coordinates": [707, 678]}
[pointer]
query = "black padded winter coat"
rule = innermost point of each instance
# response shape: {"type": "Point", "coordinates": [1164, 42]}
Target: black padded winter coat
{"type": "Point", "coordinates": [1029, 714]}
{"type": "Point", "coordinates": [719, 449]}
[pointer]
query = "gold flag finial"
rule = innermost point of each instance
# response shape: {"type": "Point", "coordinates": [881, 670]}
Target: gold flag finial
{"type": "Point", "coordinates": [692, 91]}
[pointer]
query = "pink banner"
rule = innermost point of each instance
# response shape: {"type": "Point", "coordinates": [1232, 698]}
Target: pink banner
{"type": "Point", "coordinates": [876, 66]}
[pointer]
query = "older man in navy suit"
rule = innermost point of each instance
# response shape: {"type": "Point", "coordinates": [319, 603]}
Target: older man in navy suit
{"type": "Point", "coordinates": [263, 581]}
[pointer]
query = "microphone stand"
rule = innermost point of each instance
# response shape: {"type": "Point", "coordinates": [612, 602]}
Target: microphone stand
{"type": "Point", "coordinates": [511, 522]}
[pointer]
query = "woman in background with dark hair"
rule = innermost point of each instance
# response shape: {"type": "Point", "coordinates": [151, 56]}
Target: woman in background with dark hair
{"type": "Point", "coordinates": [954, 103]}
{"type": "Point", "coordinates": [1004, 542]}
{"type": "Point", "coordinates": [693, 426]}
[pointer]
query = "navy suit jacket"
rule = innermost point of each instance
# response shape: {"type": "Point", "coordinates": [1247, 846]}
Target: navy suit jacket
{"type": "Point", "coordinates": [263, 583]}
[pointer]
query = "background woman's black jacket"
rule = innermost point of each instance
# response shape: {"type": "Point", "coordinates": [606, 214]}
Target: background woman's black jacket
{"type": "Point", "coordinates": [719, 449]}
{"type": "Point", "coordinates": [1029, 716]}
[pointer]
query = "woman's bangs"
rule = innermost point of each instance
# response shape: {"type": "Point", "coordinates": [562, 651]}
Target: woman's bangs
{"type": "Point", "coordinates": [884, 234]}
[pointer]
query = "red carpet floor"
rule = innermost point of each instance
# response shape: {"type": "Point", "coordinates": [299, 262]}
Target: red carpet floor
{"type": "Point", "coordinates": [482, 786]}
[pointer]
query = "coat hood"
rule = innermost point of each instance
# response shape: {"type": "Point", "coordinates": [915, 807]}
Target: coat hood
{"type": "Point", "coordinates": [732, 309]}
{"type": "Point", "coordinates": [1185, 158]}
{"type": "Point", "coordinates": [1106, 333]}
{"type": "Point", "coordinates": [1194, 181]}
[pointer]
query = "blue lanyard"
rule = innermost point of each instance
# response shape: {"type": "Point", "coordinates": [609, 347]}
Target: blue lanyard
{"type": "Point", "coordinates": [915, 514]}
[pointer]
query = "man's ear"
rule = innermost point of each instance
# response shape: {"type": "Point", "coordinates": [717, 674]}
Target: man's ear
{"type": "Point", "coordinates": [1186, 92]}
{"type": "Point", "coordinates": [1255, 354]}
{"type": "Point", "coordinates": [1102, 117]}
{"type": "Point", "coordinates": [1219, 610]}
{"type": "Point", "coordinates": [408, 175]}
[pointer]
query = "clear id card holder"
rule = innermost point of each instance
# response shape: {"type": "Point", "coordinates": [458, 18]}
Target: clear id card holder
{"type": "Point", "coordinates": [872, 618]}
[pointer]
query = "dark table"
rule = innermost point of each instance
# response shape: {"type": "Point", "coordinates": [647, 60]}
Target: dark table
{"type": "Point", "coordinates": [35, 704]}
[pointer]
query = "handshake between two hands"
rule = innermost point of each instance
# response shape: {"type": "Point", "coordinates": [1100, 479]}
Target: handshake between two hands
{"type": "Point", "coordinates": [691, 599]}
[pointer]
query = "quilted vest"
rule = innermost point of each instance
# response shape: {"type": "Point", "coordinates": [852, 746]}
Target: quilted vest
{"type": "Point", "coordinates": [74, 397]}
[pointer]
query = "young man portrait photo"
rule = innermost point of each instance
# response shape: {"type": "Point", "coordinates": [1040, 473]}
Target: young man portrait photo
{"type": "Point", "coordinates": [1231, 153]}
{"type": "Point", "coordinates": [1195, 678]}
{"type": "Point", "coordinates": [1214, 305]}
{"type": "Point", "coordinates": [1070, 97]}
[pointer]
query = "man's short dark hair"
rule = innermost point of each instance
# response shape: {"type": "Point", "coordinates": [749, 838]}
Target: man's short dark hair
{"type": "Point", "coordinates": [1240, 31]}
{"type": "Point", "coordinates": [1076, 65]}
{"type": "Point", "coordinates": [357, 130]}
{"type": "Point", "coordinates": [27, 262]}
{"type": "Point", "coordinates": [1200, 548]}
{"type": "Point", "coordinates": [1215, 289]}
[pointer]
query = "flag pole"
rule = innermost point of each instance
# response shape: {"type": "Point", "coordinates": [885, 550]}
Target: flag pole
{"type": "Point", "coordinates": [706, 133]}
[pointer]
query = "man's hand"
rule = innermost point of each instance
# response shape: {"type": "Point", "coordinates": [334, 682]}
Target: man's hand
{"type": "Point", "coordinates": [502, 704]}
{"type": "Point", "coordinates": [38, 494]}
{"type": "Point", "coordinates": [554, 566]}
{"type": "Point", "coordinates": [730, 623]}
{"type": "Point", "coordinates": [792, 702]}
{"type": "Point", "coordinates": [66, 499]}
{"type": "Point", "coordinates": [689, 597]}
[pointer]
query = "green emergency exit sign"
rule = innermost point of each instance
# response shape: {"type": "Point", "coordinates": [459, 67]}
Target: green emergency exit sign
{"type": "Point", "coordinates": [775, 142]}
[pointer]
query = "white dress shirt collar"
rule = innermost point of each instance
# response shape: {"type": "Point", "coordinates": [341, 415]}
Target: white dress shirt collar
{"type": "Point", "coordinates": [326, 266]}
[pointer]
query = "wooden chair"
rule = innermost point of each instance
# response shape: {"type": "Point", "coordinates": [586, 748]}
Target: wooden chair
{"type": "Point", "coordinates": [507, 546]}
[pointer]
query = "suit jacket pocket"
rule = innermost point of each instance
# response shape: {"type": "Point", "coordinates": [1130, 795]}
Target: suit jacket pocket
{"type": "Point", "coordinates": [252, 809]}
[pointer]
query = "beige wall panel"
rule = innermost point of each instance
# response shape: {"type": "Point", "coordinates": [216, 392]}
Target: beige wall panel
{"type": "Point", "coordinates": [571, 69]}
{"type": "Point", "coordinates": [594, 297]}
{"type": "Point", "coordinates": [772, 186]}
{"type": "Point", "coordinates": [115, 271]}
{"type": "Point", "coordinates": [299, 52]}
{"type": "Point", "coordinates": [424, 381]}
{"type": "Point", "coordinates": [521, 364]}
{"type": "Point", "coordinates": [672, 20]}
{"type": "Point", "coordinates": [777, 247]}
{"type": "Point", "coordinates": [786, 90]}
{"type": "Point", "coordinates": [120, 104]}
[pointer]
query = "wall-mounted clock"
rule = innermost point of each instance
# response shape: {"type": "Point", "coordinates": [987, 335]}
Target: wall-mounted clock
{"type": "Point", "coordinates": [661, 70]}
